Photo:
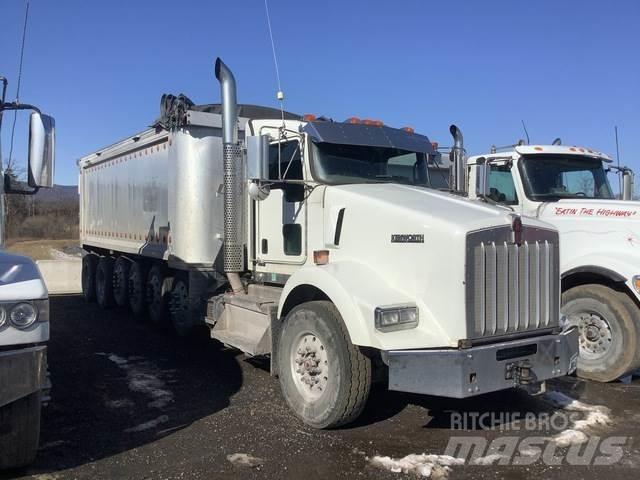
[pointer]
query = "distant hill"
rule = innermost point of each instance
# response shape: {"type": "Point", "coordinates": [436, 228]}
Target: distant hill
{"type": "Point", "coordinates": [59, 193]}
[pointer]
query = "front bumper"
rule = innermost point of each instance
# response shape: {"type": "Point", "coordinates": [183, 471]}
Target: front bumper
{"type": "Point", "coordinates": [483, 369]}
{"type": "Point", "coordinates": [22, 372]}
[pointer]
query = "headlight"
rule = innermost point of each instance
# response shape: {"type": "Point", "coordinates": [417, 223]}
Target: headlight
{"type": "Point", "coordinates": [3, 316]}
{"type": "Point", "coordinates": [23, 315]}
{"type": "Point", "coordinates": [396, 317]}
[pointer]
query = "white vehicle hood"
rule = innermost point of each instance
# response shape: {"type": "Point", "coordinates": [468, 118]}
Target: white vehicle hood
{"type": "Point", "coordinates": [20, 279]}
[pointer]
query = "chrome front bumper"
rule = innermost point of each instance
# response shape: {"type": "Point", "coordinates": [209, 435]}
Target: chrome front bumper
{"type": "Point", "coordinates": [460, 373]}
{"type": "Point", "coordinates": [22, 372]}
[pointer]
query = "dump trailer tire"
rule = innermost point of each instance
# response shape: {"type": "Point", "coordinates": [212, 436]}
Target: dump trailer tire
{"type": "Point", "coordinates": [104, 283]}
{"type": "Point", "coordinates": [89, 267]}
{"type": "Point", "coordinates": [121, 281]}
{"type": "Point", "coordinates": [325, 379]}
{"type": "Point", "coordinates": [19, 431]}
{"type": "Point", "coordinates": [179, 306]}
{"type": "Point", "coordinates": [609, 337]}
{"type": "Point", "coordinates": [138, 288]}
{"type": "Point", "coordinates": [158, 287]}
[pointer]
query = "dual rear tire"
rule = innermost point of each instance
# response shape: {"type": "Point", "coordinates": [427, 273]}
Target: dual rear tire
{"type": "Point", "coordinates": [147, 290]}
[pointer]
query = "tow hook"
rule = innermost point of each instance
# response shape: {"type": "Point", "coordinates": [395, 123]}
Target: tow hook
{"type": "Point", "coordinates": [520, 372]}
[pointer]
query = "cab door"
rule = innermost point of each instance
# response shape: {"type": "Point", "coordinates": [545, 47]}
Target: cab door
{"type": "Point", "coordinates": [281, 227]}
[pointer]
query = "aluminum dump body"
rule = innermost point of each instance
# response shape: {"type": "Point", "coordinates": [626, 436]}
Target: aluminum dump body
{"type": "Point", "coordinates": [158, 194]}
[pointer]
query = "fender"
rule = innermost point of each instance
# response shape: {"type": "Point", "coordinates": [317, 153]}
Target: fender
{"type": "Point", "coordinates": [356, 290]}
{"type": "Point", "coordinates": [615, 266]}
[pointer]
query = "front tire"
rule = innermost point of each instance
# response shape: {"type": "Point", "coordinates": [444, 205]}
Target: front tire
{"type": "Point", "coordinates": [325, 379]}
{"type": "Point", "coordinates": [104, 283]}
{"type": "Point", "coordinates": [19, 431]}
{"type": "Point", "coordinates": [608, 334]}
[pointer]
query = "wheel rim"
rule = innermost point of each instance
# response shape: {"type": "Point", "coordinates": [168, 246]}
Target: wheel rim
{"type": "Point", "coordinates": [309, 366]}
{"type": "Point", "coordinates": [596, 336]}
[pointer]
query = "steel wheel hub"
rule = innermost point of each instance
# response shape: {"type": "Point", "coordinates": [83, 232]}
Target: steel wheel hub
{"type": "Point", "coordinates": [595, 335]}
{"type": "Point", "coordinates": [310, 366]}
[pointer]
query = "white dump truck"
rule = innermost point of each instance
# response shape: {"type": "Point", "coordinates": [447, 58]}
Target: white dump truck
{"type": "Point", "coordinates": [567, 186]}
{"type": "Point", "coordinates": [314, 242]}
{"type": "Point", "coordinates": [24, 310]}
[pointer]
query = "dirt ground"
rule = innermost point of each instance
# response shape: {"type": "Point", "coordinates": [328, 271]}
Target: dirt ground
{"type": "Point", "coordinates": [130, 400]}
{"type": "Point", "coordinates": [45, 249]}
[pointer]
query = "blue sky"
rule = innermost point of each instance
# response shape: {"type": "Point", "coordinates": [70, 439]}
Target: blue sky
{"type": "Point", "coordinates": [568, 68]}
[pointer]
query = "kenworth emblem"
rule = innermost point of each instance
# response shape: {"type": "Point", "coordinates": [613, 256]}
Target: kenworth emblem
{"type": "Point", "coordinates": [407, 238]}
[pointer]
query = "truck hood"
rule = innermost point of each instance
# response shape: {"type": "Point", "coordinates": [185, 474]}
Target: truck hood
{"type": "Point", "coordinates": [451, 211]}
{"type": "Point", "coordinates": [20, 279]}
{"type": "Point", "coordinates": [414, 243]}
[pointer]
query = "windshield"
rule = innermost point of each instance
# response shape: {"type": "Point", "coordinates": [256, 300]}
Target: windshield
{"type": "Point", "coordinates": [345, 164]}
{"type": "Point", "coordinates": [556, 177]}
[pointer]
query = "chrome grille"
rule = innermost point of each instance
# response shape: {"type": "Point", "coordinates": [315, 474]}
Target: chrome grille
{"type": "Point", "coordinates": [511, 288]}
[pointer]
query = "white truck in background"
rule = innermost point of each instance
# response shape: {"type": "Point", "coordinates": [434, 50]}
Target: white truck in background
{"type": "Point", "coordinates": [314, 242]}
{"type": "Point", "coordinates": [567, 186]}
{"type": "Point", "coordinates": [24, 310]}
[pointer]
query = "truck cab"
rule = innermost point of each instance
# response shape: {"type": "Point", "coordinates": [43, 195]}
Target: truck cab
{"type": "Point", "coordinates": [568, 187]}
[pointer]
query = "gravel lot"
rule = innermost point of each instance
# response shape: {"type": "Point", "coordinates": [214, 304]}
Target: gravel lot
{"type": "Point", "coordinates": [131, 401]}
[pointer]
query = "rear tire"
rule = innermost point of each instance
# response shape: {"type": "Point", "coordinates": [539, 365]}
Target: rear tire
{"type": "Point", "coordinates": [20, 431]}
{"type": "Point", "coordinates": [325, 379]}
{"type": "Point", "coordinates": [104, 283]}
{"type": "Point", "coordinates": [89, 267]}
{"type": "Point", "coordinates": [121, 281]}
{"type": "Point", "coordinates": [608, 334]}
{"type": "Point", "coordinates": [137, 289]}
{"type": "Point", "coordinates": [179, 306]}
{"type": "Point", "coordinates": [158, 288]}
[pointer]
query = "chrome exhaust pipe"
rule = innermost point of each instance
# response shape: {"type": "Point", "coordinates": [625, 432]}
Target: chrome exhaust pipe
{"type": "Point", "coordinates": [233, 253]}
{"type": "Point", "coordinates": [457, 180]}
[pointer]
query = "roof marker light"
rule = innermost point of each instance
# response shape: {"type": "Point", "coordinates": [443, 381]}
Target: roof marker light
{"type": "Point", "coordinates": [353, 120]}
{"type": "Point", "coordinates": [408, 129]}
{"type": "Point", "coordinates": [309, 117]}
{"type": "Point", "coordinates": [573, 149]}
{"type": "Point", "coordinates": [375, 123]}
{"type": "Point", "coordinates": [538, 148]}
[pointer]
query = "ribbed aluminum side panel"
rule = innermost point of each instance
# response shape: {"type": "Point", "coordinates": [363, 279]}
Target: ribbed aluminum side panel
{"type": "Point", "coordinates": [511, 288]}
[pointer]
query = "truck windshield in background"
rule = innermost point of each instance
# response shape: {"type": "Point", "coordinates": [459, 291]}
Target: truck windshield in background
{"type": "Point", "coordinates": [346, 164]}
{"type": "Point", "coordinates": [556, 177]}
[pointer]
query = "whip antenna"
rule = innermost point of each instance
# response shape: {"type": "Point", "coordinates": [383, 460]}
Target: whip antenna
{"type": "Point", "coordinates": [280, 93]}
{"type": "Point", "coordinates": [524, 127]}
{"type": "Point", "coordinates": [15, 112]}
{"type": "Point", "coordinates": [618, 158]}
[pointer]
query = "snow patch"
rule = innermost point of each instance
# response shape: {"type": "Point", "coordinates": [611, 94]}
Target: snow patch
{"type": "Point", "coordinates": [244, 460]}
{"type": "Point", "coordinates": [596, 415]}
{"type": "Point", "coordinates": [148, 425]}
{"type": "Point", "coordinates": [144, 378]}
{"type": "Point", "coordinates": [436, 466]}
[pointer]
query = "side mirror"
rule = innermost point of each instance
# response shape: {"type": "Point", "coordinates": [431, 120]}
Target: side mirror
{"type": "Point", "coordinates": [483, 170]}
{"type": "Point", "coordinates": [258, 157]}
{"type": "Point", "coordinates": [42, 139]}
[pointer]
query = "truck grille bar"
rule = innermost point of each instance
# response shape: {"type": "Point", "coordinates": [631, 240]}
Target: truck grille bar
{"type": "Point", "coordinates": [511, 288]}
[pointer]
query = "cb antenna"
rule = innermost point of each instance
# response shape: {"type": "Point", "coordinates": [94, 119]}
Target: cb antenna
{"type": "Point", "coordinates": [525, 132]}
{"type": "Point", "coordinates": [279, 93]}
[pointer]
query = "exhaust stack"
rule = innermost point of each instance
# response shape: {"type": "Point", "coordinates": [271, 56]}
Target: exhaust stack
{"type": "Point", "coordinates": [459, 168]}
{"type": "Point", "coordinates": [627, 184]}
{"type": "Point", "coordinates": [233, 184]}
